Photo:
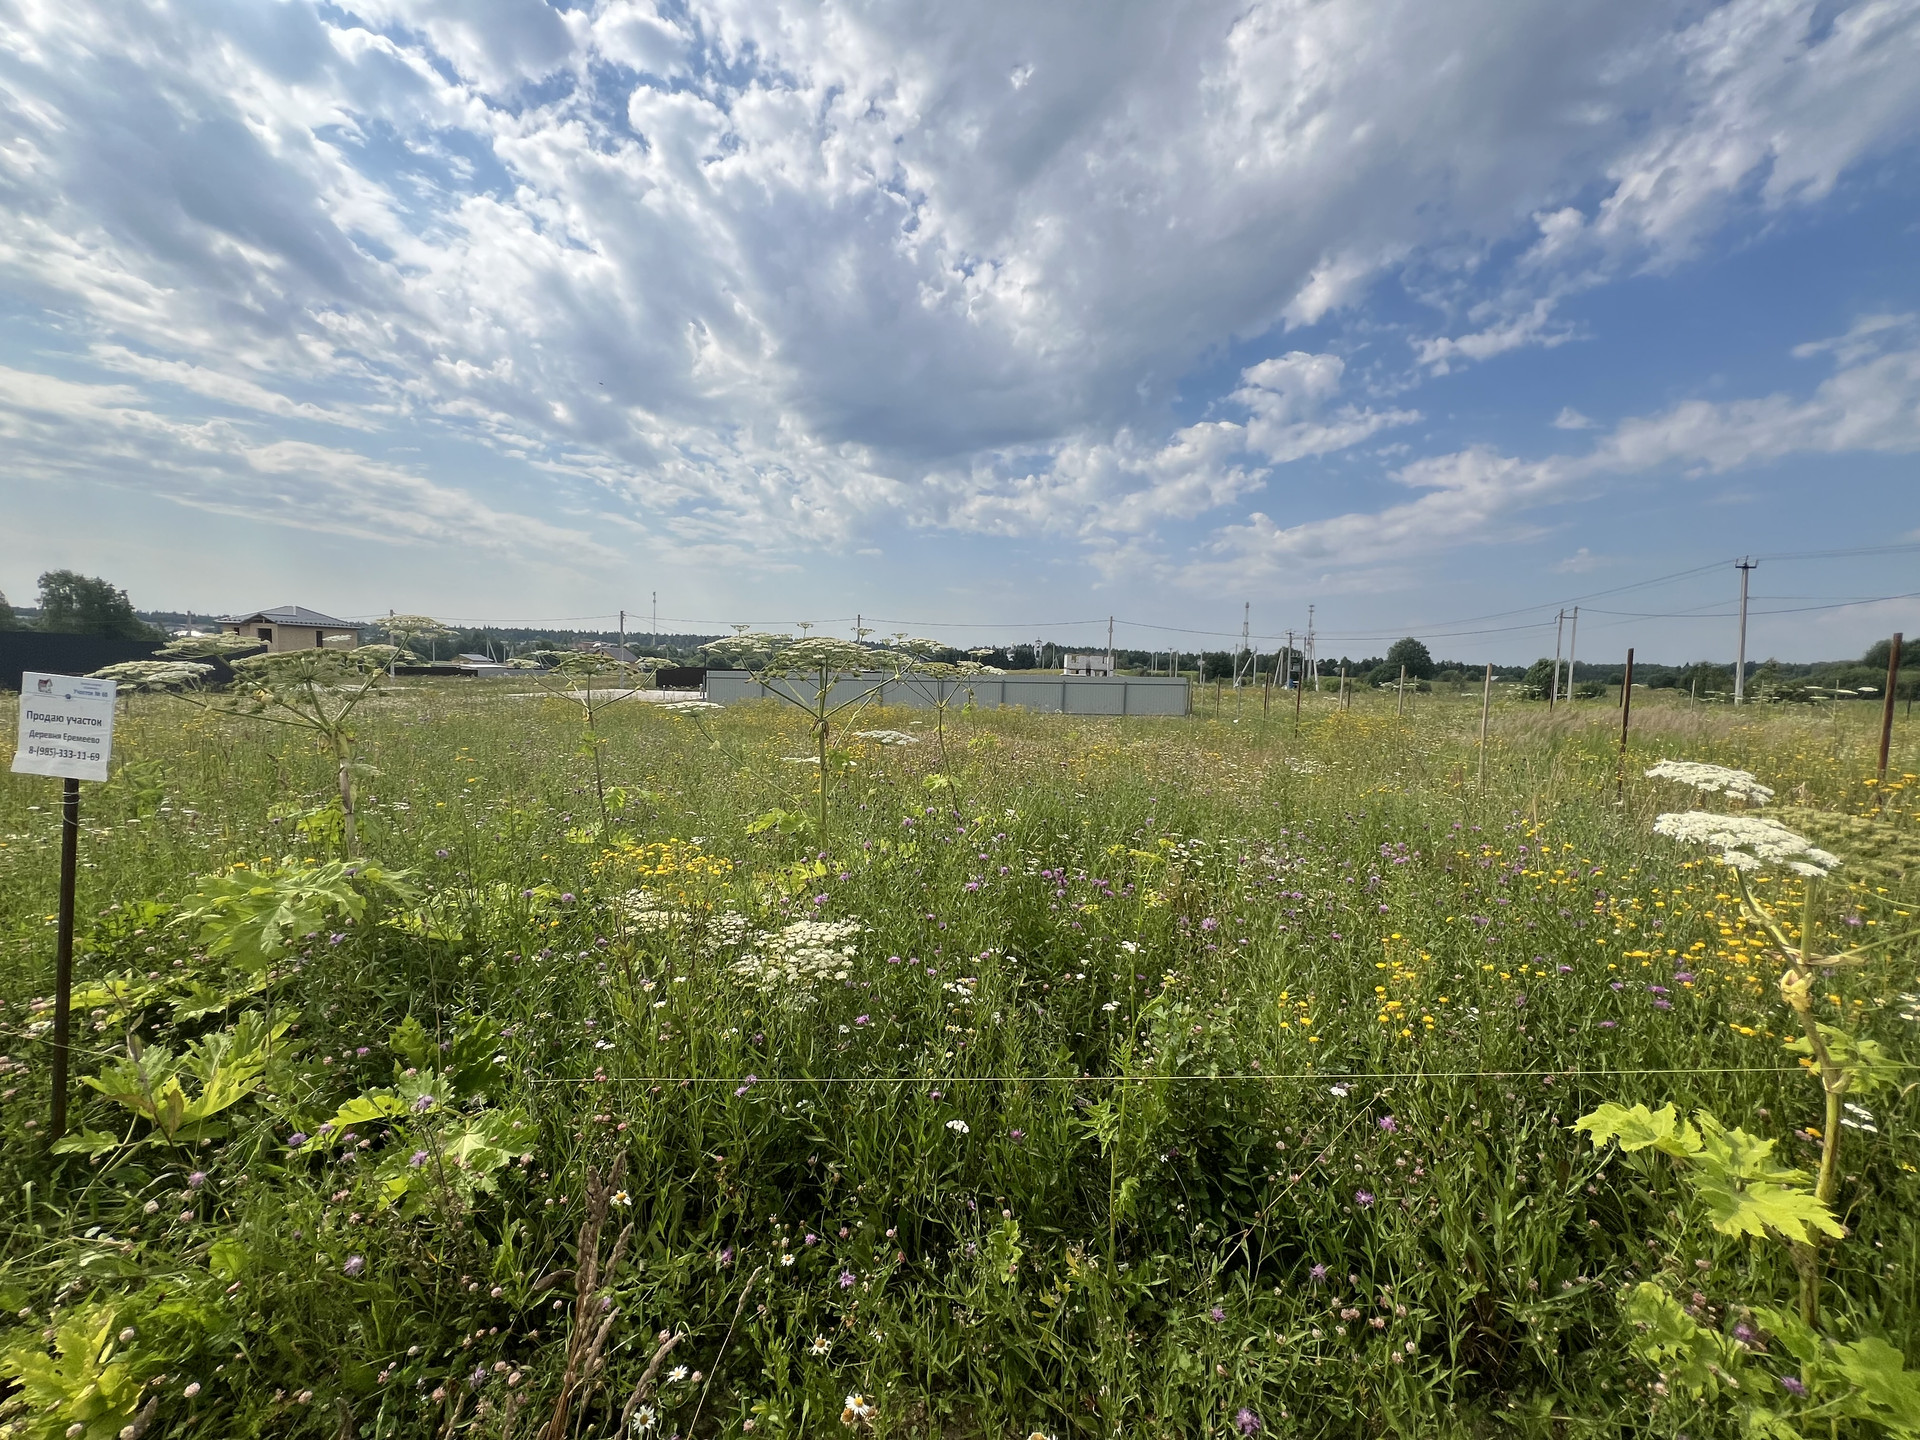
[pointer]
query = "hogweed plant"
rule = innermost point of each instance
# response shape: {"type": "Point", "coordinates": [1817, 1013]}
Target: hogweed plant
{"type": "Point", "coordinates": [592, 682]}
{"type": "Point", "coordinates": [316, 691]}
{"type": "Point", "coordinates": [152, 677]}
{"type": "Point", "coordinates": [806, 672]}
{"type": "Point", "coordinates": [1745, 1191]}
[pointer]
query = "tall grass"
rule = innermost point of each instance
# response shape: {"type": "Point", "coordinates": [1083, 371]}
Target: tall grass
{"type": "Point", "coordinates": [1187, 1077]}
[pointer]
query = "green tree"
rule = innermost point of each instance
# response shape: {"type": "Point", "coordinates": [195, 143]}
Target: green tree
{"type": "Point", "coordinates": [1412, 654]}
{"type": "Point", "coordinates": [8, 620]}
{"type": "Point", "coordinates": [76, 604]}
{"type": "Point", "coordinates": [1877, 656]}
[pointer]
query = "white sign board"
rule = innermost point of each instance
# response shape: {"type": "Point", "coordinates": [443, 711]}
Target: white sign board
{"type": "Point", "coordinates": [66, 726]}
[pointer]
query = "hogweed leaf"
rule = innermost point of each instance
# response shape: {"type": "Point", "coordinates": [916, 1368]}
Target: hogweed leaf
{"type": "Point", "coordinates": [1889, 1389]}
{"type": "Point", "coordinates": [1865, 1061]}
{"type": "Point", "coordinates": [1735, 1155]}
{"type": "Point", "coordinates": [1755, 1208]}
{"type": "Point", "coordinates": [1638, 1128]}
{"type": "Point", "coordinates": [1696, 1360]}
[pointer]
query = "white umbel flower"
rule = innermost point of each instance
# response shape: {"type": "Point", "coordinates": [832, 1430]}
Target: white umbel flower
{"type": "Point", "coordinates": [1698, 775]}
{"type": "Point", "coordinates": [1747, 842]}
{"type": "Point", "coordinates": [887, 737]}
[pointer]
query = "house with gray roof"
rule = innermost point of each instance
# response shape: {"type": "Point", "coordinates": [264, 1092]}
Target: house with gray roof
{"type": "Point", "coordinates": [293, 627]}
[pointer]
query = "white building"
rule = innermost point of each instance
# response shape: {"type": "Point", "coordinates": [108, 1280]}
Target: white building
{"type": "Point", "coordinates": [1101, 664]}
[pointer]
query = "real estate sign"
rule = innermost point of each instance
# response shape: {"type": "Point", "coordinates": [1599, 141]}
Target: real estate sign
{"type": "Point", "coordinates": [66, 726]}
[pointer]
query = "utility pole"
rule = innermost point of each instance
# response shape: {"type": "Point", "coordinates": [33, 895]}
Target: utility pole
{"type": "Point", "coordinates": [1745, 565]}
{"type": "Point", "coordinates": [1246, 622]}
{"type": "Point", "coordinates": [1109, 644]}
{"type": "Point", "coordinates": [1313, 651]}
{"type": "Point", "coordinates": [1573, 646]}
{"type": "Point", "coordinates": [656, 621]}
{"type": "Point", "coordinates": [1559, 629]}
{"type": "Point", "coordinates": [623, 629]}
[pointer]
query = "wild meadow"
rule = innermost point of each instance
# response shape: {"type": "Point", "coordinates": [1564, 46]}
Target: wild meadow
{"type": "Point", "coordinates": [1199, 1077]}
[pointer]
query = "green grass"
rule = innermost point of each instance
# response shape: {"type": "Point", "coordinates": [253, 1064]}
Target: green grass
{"type": "Point", "coordinates": [1061, 1153]}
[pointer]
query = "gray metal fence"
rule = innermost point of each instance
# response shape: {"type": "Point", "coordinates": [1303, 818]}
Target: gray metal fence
{"type": "Point", "coordinates": [1046, 694]}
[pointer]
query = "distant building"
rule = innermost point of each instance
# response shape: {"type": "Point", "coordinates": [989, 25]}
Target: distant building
{"type": "Point", "coordinates": [293, 627]}
{"type": "Point", "coordinates": [1101, 664]}
{"type": "Point", "coordinates": [619, 653]}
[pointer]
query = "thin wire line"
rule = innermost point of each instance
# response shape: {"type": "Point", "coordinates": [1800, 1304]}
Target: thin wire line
{"type": "Point", "coordinates": [1576, 1073]}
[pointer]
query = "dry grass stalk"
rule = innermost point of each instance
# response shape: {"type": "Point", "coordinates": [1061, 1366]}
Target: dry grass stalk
{"type": "Point", "coordinates": [645, 1388]}
{"type": "Point", "coordinates": [594, 1313]}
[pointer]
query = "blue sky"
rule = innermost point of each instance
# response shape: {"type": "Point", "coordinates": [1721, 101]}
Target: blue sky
{"type": "Point", "coordinates": [987, 321]}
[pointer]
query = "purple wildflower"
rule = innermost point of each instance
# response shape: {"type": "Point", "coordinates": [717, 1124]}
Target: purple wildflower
{"type": "Point", "coordinates": [1318, 1274]}
{"type": "Point", "coordinates": [197, 1179]}
{"type": "Point", "coordinates": [1216, 1314]}
{"type": "Point", "coordinates": [725, 1257]}
{"type": "Point", "coordinates": [1246, 1422]}
{"type": "Point", "coordinates": [423, 1104]}
{"type": "Point", "coordinates": [296, 1140]}
{"type": "Point", "coordinates": [1791, 1384]}
{"type": "Point", "coordinates": [1363, 1198]}
{"type": "Point", "coordinates": [417, 1159]}
{"type": "Point", "coordinates": [355, 1264]}
{"type": "Point", "coordinates": [846, 1279]}
{"type": "Point", "coordinates": [439, 854]}
{"type": "Point", "coordinates": [1389, 1124]}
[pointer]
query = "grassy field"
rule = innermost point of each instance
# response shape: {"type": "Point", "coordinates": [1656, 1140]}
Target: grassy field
{"type": "Point", "coordinates": [1142, 1078]}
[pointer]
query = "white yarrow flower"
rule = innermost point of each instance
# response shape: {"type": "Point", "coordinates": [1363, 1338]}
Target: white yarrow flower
{"type": "Point", "coordinates": [959, 1127]}
{"type": "Point", "coordinates": [887, 737]}
{"type": "Point", "coordinates": [1699, 775]}
{"type": "Point", "coordinates": [1747, 842]}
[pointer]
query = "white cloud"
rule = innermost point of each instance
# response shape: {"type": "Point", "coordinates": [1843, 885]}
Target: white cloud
{"type": "Point", "coordinates": [1290, 398]}
{"type": "Point", "coordinates": [1581, 562]}
{"type": "Point", "coordinates": [1571, 419]}
{"type": "Point", "coordinates": [768, 275]}
{"type": "Point", "coordinates": [1478, 496]}
{"type": "Point", "coordinates": [55, 429]}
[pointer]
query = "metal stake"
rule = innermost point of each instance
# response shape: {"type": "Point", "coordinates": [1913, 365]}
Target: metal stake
{"type": "Point", "coordinates": [1626, 714]}
{"type": "Point", "coordinates": [1886, 712]}
{"type": "Point", "coordinates": [1486, 702]}
{"type": "Point", "coordinates": [63, 955]}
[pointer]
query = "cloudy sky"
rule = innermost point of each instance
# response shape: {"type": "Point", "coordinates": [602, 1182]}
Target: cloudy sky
{"type": "Point", "coordinates": [994, 316]}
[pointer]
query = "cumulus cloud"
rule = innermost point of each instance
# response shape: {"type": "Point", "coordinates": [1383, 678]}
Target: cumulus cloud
{"type": "Point", "coordinates": [764, 275]}
{"type": "Point", "coordinates": [1479, 496]}
{"type": "Point", "coordinates": [57, 429]}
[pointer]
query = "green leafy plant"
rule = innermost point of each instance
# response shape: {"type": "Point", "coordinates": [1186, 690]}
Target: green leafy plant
{"type": "Point", "coordinates": [151, 1082]}
{"type": "Point", "coordinates": [1733, 1173]}
{"type": "Point", "coordinates": [85, 1384]}
{"type": "Point", "coordinates": [251, 917]}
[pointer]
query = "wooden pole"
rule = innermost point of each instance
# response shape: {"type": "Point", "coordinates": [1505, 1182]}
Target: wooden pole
{"type": "Point", "coordinates": [63, 956]}
{"type": "Point", "coordinates": [1299, 687]}
{"type": "Point", "coordinates": [1886, 711]}
{"type": "Point", "coordinates": [1626, 715]}
{"type": "Point", "coordinates": [1400, 694]}
{"type": "Point", "coordinates": [1486, 704]}
{"type": "Point", "coordinates": [1343, 687]}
